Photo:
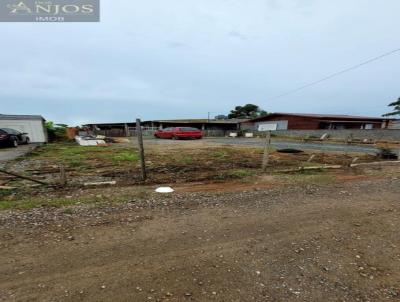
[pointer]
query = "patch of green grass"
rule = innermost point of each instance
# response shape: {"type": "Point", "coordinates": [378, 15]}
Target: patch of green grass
{"type": "Point", "coordinates": [80, 157]}
{"type": "Point", "coordinates": [30, 203]}
{"type": "Point", "coordinates": [124, 156]}
{"type": "Point", "coordinates": [188, 160]}
{"type": "Point", "coordinates": [219, 154]}
{"type": "Point", "coordinates": [5, 192]}
{"type": "Point", "coordinates": [239, 173]}
{"type": "Point", "coordinates": [76, 161]}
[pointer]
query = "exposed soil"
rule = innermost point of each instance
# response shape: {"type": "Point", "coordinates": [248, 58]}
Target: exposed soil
{"type": "Point", "coordinates": [336, 242]}
{"type": "Point", "coordinates": [166, 161]}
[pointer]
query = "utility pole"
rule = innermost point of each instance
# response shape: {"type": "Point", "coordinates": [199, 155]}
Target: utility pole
{"type": "Point", "coordinates": [141, 149]}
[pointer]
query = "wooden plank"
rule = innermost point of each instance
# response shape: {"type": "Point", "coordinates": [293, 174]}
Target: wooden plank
{"type": "Point", "coordinates": [24, 177]}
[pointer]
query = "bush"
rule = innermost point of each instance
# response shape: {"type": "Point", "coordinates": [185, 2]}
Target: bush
{"type": "Point", "coordinates": [56, 132]}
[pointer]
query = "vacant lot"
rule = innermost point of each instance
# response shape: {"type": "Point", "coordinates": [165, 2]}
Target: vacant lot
{"type": "Point", "coordinates": [166, 161]}
{"type": "Point", "coordinates": [200, 165]}
{"type": "Point", "coordinates": [228, 233]}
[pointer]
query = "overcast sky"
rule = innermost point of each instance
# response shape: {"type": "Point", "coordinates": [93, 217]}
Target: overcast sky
{"type": "Point", "coordinates": [158, 59]}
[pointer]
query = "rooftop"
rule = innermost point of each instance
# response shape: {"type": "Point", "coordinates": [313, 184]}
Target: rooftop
{"type": "Point", "coordinates": [21, 117]}
{"type": "Point", "coordinates": [179, 121]}
{"type": "Point", "coordinates": [200, 121]}
{"type": "Point", "coordinates": [321, 116]}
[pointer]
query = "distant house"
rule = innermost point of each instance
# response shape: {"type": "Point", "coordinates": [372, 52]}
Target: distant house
{"type": "Point", "coordinates": [31, 124]}
{"type": "Point", "coordinates": [306, 121]}
{"type": "Point", "coordinates": [203, 124]}
{"type": "Point", "coordinates": [125, 129]}
{"type": "Point", "coordinates": [394, 124]}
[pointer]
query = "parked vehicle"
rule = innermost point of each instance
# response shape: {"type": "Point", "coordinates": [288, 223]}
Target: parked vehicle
{"type": "Point", "coordinates": [12, 138]}
{"type": "Point", "coordinates": [179, 132]}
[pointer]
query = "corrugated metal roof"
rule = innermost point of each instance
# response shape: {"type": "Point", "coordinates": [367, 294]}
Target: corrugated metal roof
{"type": "Point", "coordinates": [20, 117]}
{"type": "Point", "coordinates": [357, 121]}
{"type": "Point", "coordinates": [181, 121]}
{"type": "Point", "coordinates": [316, 115]}
{"type": "Point", "coordinates": [188, 121]}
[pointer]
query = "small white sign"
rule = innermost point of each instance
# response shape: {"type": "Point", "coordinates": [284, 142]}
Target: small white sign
{"type": "Point", "coordinates": [267, 127]}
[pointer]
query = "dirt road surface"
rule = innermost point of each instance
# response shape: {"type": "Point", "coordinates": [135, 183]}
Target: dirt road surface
{"type": "Point", "coordinates": [316, 243]}
{"type": "Point", "coordinates": [7, 154]}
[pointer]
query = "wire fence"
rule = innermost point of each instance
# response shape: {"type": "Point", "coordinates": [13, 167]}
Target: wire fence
{"type": "Point", "coordinates": [347, 135]}
{"type": "Point", "coordinates": [149, 131]}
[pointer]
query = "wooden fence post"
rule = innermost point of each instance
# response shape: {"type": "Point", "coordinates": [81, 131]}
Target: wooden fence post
{"type": "Point", "coordinates": [266, 151]}
{"type": "Point", "coordinates": [141, 149]}
{"type": "Point", "coordinates": [63, 176]}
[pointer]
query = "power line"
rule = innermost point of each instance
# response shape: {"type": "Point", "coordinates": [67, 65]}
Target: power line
{"type": "Point", "coordinates": [335, 74]}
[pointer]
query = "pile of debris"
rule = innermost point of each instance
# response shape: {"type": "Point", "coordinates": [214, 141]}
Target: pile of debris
{"type": "Point", "coordinates": [93, 140]}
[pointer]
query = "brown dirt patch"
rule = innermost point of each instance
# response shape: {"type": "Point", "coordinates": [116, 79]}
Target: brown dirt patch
{"type": "Point", "coordinates": [330, 243]}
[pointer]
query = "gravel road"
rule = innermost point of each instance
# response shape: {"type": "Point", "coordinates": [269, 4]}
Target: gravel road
{"type": "Point", "coordinates": [331, 243]}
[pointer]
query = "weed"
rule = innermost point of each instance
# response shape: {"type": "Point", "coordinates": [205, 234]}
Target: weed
{"type": "Point", "coordinates": [125, 156]}
{"type": "Point", "coordinates": [6, 192]}
{"type": "Point", "coordinates": [75, 162]}
{"type": "Point", "coordinates": [188, 160]}
{"type": "Point", "coordinates": [241, 173]}
{"type": "Point", "coordinates": [219, 154]}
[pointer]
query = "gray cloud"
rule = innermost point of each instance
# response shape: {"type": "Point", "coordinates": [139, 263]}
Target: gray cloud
{"type": "Point", "coordinates": [176, 59]}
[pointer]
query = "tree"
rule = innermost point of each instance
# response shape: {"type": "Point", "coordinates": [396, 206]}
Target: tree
{"type": "Point", "coordinates": [247, 111]}
{"type": "Point", "coordinates": [56, 131]}
{"type": "Point", "coordinates": [221, 117]}
{"type": "Point", "coordinates": [396, 108]}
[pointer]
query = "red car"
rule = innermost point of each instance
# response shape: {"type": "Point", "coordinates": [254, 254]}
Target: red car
{"type": "Point", "coordinates": [179, 132]}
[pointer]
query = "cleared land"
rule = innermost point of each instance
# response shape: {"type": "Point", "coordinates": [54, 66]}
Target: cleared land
{"type": "Point", "coordinates": [321, 236]}
{"type": "Point", "coordinates": [167, 162]}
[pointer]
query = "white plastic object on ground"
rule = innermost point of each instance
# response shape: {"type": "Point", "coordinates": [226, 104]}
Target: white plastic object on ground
{"type": "Point", "coordinates": [164, 190]}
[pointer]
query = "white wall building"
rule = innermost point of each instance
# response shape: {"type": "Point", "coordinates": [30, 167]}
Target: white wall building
{"type": "Point", "coordinates": [394, 124]}
{"type": "Point", "coordinates": [31, 124]}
